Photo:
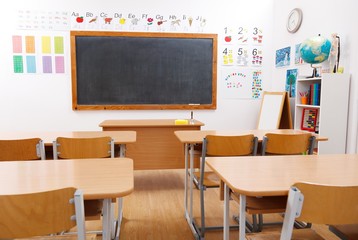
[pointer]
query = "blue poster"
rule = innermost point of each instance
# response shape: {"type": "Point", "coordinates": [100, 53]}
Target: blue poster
{"type": "Point", "coordinates": [283, 57]}
{"type": "Point", "coordinates": [291, 78]}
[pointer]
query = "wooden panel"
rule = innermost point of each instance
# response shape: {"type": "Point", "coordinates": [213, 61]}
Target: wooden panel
{"type": "Point", "coordinates": [156, 146]}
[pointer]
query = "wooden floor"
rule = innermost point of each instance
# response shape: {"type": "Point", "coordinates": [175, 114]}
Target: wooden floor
{"type": "Point", "coordinates": [155, 210]}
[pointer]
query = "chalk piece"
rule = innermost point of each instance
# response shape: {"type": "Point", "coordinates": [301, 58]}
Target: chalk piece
{"type": "Point", "coordinates": [181, 122]}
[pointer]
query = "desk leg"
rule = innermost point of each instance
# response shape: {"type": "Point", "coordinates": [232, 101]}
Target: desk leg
{"type": "Point", "coordinates": [242, 218]}
{"type": "Point", "coordinates": [122, 150]}
{"type": "Point", "coordinates": [106, 220]}
{"type": "Point", "coordinates": [189, 153]}
{"type": "Point", "coordinates": [120, 216]}
{"type": "Point", "coordinates": [226, 212]}
{"type": "Point", "coordinates": [191, 182]}
{"type": "Point", "coordinates": [186, 150]}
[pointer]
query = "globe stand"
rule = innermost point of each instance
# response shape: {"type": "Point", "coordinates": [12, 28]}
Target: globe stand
{"type": "Point", "coordinates": [315, 72]}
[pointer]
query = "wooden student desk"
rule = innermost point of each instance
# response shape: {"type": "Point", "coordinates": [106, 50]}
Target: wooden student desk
{"type": "Point", "coordinates": [190, 138]}
{"type": "Point", "coordinates": [98, 179]}
{"type": "Point", "coordinates": [273, 176]}
{"type": "Point", "coordinates": [120, 138]}
{"type": "Point", "coordinates": [156, 146]}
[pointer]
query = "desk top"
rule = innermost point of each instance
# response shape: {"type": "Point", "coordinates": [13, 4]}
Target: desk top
{"type": "Point", "coordinates": [196, 136]}
{"type": "Point", "coordinates": [119, 137]}
{"type": "Point", "coordinates": [273, 175]}
{"type": "Point", "coordinates": [146, 123]}
{"type": "Point", "coordinates": [97, 178]}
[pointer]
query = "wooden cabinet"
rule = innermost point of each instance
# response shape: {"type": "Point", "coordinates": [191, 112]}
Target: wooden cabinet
{"type": "Point", "coordinates": [331, 107]}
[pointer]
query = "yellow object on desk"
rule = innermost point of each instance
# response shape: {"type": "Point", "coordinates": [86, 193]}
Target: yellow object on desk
{"type": "Point", "coordinates": [181, 122]}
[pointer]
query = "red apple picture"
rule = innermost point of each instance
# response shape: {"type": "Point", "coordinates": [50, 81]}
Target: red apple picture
{"type": "Point", "coordinates": [79, 19]}
{"type": "Point", "coordinates": [228, 39]}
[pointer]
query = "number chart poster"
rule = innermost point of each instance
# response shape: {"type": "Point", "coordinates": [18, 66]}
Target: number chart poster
{"type": "Point", "coordinates": [242, 47]}
{"type": "Point", "coordinates": [38, 54]}
{"type": "Point", "coordinates": [242, 83]}
{"type": "Point", "coordinates": [241, 56]}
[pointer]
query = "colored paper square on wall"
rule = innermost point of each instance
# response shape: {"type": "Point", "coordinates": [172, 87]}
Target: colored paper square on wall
{"type": "Point", "coordinates": [60, 64]}
{"type": "Point", "coordinates": [18, 64]}
{"type": "Point", "coordinates": [46, 44]}
{"type": "Point", "coordinates": [59, 47]}
{"type": "Point", "coordinates": [30, 44]}
{"type": "Point", "coordinates": [17, 44]}
{"type": "Point", "coordinates": [47, 64]}
{"type": "Point", "coordinates": [31, 64]}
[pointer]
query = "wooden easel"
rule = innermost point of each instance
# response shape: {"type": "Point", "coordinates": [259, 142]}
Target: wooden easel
{"type": "Point", "coordinates": [275, 111]}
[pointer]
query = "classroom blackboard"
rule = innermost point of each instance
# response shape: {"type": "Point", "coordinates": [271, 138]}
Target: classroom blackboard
{"type": "Point", "coordinates": [130, 70]}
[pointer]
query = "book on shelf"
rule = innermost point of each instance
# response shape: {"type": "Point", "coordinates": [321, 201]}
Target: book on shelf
{"type": "Point", "coordinates": [315, 94]}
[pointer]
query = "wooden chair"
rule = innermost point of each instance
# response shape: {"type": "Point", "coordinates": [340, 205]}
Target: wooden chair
{"type": "Point", "coordinates": [22, 149]}
{"type": "Point", "coordinates": [345, 231]}
{"type": "Point", "coordinates": [42, 213]}
{"type": "Point", "coordinates": [318, 204]}
{"type": "Point", "coordinates": [70, 148]}
{"type": "Point", "coordinates": [80, 148]}
{"type": "Point", "coordinates": [214, 145]}
{"type": "Point", "coordinates": [277, 144]}
{"type": "Point", "coordinates": [288, 144]}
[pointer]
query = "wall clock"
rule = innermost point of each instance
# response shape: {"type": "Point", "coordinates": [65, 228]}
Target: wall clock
{"type": "Point", "coordinates": [294, 20]}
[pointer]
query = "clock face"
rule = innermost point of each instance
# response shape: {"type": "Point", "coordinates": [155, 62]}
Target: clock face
{"type": "Point", "coordinates": [294, 20]}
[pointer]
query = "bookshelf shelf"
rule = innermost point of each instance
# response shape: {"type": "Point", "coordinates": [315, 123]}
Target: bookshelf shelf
{"type": "Point", "coordinates": [332, 104]}
{"type": "Point", "coordinates": [307, 105]}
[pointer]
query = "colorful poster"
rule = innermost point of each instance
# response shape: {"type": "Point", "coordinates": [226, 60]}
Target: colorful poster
{"type": "Point", "coordinates": [228, 35]}
{"type": "Point", "coordinates": [256, 56]}
{"type": "Point", "coordinates": [283, 57]}
{"type": "Point", "coordinates": [243, 35]}
{"type": "Point", "coordinates": [257, 36]}
{"type": "Point", "coordinates": [242, 83]}
{"type": "Point", "coordinates": [291, 77]}
{"type": "Point", "coordinates": [257, 88]}
{"type": "Point", "coordinates": [227, 55]}
{"type": "Point", "coordinates": [131, 21]}
{"type": "Point", "coordinates": [242, 58]}
{"type": "Point", "coordinates": [39, 54]}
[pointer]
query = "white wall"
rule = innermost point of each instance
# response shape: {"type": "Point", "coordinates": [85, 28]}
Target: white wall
{"type": "Point", "coordinates": [43, 102]}
{"type": "Point", "coordinates": [322, 17]}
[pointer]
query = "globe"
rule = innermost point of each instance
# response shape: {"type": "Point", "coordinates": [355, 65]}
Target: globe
{"type": "Point", "coordinates": [315, 49]}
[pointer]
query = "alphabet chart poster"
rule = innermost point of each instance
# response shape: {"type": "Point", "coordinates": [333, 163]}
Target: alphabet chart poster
{"type": "Point", "coordinates": [242, 83]}
{"type": "Point", "coordinates": [38, 54]}
{"type": "Point", "coordinates": [135, 21]}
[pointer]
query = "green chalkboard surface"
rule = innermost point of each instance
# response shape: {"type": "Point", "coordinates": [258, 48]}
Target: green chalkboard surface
{"type": "Point", "coordinates": [130, 70]}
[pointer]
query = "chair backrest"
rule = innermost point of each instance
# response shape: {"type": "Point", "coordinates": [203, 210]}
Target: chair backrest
{"type": "Point", "coordinates": [242, 145]}
{"type": "Point", "coordinates": [22, 149]}
{"type": "Point", "coordinates": [288, 144]}
{"type": "Point", "coordinates": [320, 204]}
{"type": "Point", "coordinates": [76, 148]}
{"type": "Point", "coordinates": [41, 213]}
{"type": "Point", "coordinates": [214, 145]}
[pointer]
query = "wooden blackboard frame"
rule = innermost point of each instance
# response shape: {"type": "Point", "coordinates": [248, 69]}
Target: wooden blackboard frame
{"type": "Point", "coordinates": [77, 106]}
